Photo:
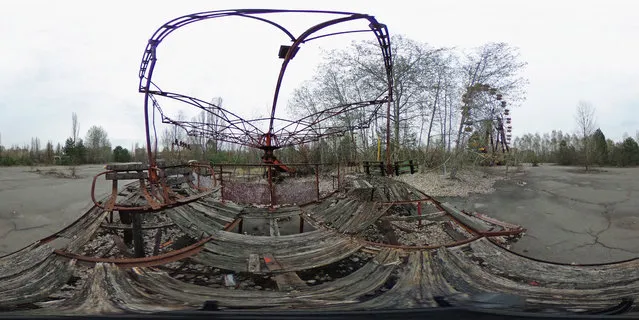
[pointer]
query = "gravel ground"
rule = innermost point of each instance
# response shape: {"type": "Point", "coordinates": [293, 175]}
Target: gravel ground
{"type": "Point", "coordinates": [427, 236]}
{"type": "Point", "coordinates": [103, 244]}
{"type": "Point", "coordinates": [335, 270]}
{"type": "Point", "coordinates": [466, 182]}
{"type": "Point", "coordinates": [372, 234]}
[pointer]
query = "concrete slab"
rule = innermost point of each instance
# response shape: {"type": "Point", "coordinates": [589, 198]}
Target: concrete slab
{"type": "Point", "coordinates": [35, 205]}
{"type": "Point", "coordinates": [570, 216]}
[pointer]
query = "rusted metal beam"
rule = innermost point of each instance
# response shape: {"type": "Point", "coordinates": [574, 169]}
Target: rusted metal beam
{"type": "Point", "coordinates": [233, 224]}
{"type": "Point", "coordinates": [126, 175]}
{"type": "Point", "coordinates": [141, 262]}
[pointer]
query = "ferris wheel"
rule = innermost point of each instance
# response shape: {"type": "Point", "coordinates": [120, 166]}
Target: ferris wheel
{"type": "Point", "coordinates": [487, 120]}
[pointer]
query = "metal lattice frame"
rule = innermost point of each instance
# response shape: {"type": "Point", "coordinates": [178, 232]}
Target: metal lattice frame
{"type": "Point", "coordinates": [497, 119]}
{"type": "Point", "coordinates": [235, 129]}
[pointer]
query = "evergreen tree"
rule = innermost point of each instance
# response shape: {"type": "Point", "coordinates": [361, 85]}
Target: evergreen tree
{"type": "Point", "coordinates": [600, 148]}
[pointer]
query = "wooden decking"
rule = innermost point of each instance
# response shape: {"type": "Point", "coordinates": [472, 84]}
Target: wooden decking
{"type": "Point", "coordinates": [395, 276]}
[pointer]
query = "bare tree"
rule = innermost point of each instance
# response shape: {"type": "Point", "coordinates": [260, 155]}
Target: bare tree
{"type": "Point", "coordinates": [75, 127]}
{"type": "Point", "coordinates": [211, 120]}
{"type": "Point", "coordinates": [497, 65]}
{"type": "Point", "coordinates": [356, 74]}
{"type": "Point", "coordinates": [446, 73]}
{"type": "Point", "coordinates": [585, 118]}
{"type": "Point", "coordinates": [428, 86]}
{"type": "Point", "coordinates": [34, 152]}
{"type": "Point", "coordinates": [171, 138]}
{"type": "Point", "coordinates": [166, 139]}
{"type": "Point", "coordinates": [214, 120]}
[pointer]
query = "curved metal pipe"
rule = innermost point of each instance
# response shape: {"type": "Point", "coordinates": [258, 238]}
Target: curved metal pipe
{"type": "Point", "coordinates": [141, 262]}
{"type": "Point", "coordinates": [149, 59]}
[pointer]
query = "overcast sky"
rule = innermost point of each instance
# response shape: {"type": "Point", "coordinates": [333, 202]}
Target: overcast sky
{"type": "Point", "coordinates": [59, 57]}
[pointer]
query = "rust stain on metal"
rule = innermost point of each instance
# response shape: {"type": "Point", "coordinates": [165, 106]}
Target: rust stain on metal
{"type": "Point", "coordinates": [144, 261]}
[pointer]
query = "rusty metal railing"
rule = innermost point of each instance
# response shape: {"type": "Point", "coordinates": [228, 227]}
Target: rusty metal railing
{"type": "Point", "coordinates": [154, 187]}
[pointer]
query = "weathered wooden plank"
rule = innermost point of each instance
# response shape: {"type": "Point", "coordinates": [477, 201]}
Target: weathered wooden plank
{"type": "Point", "coordinates": [368, 215]}
{"type": "Point", "coordinates": [406, 293]}
{"type": "Point", "coordinates": [363, 281]}
{"type": "Point", "coordinates": [193, 222]}
{"type": "Point", "coordinates": [210, 211]}
{"type": "Point", "coordinates": [343, 291]}
{"type": "Point", "coordinates": [126, 175]}
{"type": "Point", "coordinates": [318, 257]}
{"type": "Point", "coordinates": [274, 228]}
{"type": "Point", "coordinates": [215, 259]}
{"type": "Point", "coordinates": [348, 214]}
{"type": "Point", "coordinates": [127, 166]}
{"type": "Point", "coordinates": [254, 265]}
{"type": "Point", "coordinates": [194, 295]}
{"type": "Point", "coordinates": [469, 221]}
{"type": "Point", "coordinates": [81, 231]}
{"type": "Point", "coordinates": [296, 252]}
{"type": "Point", "coordinates": [277, 213]}
{"type": "Point", "coordinates": [288, 281]}
{"type": "Point", "coordinates": [334, 213]}
{"type": "Point", "coordinates": [452, 232]}
{"type": "Point", "coordinates": [433, 282]}
{"type": "Point", "coordinates": [20, 261]}
{"type": "Point", "coordinates": [415, 218]}
{"type": "Point", "coordinates": [270, 262]}
{"type": "Point", "coordinates": [553, 275]}
{"type": "Point", "coordinates": [36, 283]}
{"type": "Point", "coordinates": [588, 298]}
{"type": "Point", "coordinates": [146, 226]}
{"type": "Point", "coordinates": [108, 291]}
{"type": "Point", "coordinates": [458, 280]}
{"type": "Point", "coordinates": [227, 209]}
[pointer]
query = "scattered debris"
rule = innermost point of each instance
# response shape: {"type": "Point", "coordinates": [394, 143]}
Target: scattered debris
{"type": "Point", "coordinates": [229, 280]}
{"type": "Point", "coordinates": [467, 182]}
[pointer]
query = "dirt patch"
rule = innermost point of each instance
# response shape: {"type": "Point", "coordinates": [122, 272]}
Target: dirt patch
{"type": "Point", "coordinates": [70, 173]}
{"type": "Point", "coordinates": [583, 170]}
{"type": "Point", "coordinates": [335, 270]}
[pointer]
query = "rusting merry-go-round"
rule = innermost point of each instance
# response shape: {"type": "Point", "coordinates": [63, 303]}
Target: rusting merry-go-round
{"type": "Point", "coordinates": [183, 236]}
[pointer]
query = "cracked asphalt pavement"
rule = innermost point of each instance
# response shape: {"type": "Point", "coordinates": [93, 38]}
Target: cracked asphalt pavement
{"type": "Point", "coordinates": [35, 205]}
{"type": "Point", "coordinates": [570, 217]}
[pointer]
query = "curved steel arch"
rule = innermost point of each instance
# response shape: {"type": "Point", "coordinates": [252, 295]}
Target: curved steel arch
{"type": "Point", "coordinates": [243, 131]}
